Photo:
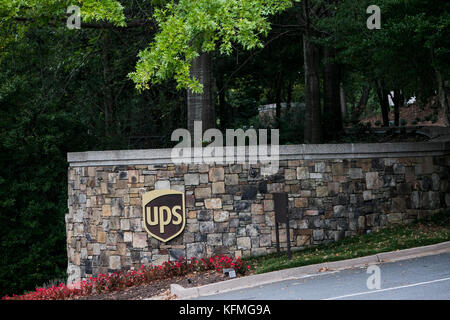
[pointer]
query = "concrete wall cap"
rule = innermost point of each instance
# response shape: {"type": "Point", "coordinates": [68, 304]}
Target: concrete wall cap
{"type": "Point", "coordinates": [286, 152]}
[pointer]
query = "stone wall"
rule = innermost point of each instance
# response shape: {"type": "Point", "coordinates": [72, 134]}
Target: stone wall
{"type": "Point", "coordinates": [229, 208]}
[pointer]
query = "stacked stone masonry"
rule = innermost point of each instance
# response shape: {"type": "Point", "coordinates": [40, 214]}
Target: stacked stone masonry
{"type": "Point", "coordinates": [230, 208]}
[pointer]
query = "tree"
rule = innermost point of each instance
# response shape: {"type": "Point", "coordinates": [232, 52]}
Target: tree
{"type": "Point", "coordinates": [53, 94]}
{"type": "Point", "coordinates": [200, 106]}
{"type": "Point", "coordinates": [189, 30]}
{"type": "Point", "coordinates": [313, 121]}
{"type": "Point", "coordinates": [399, 56]}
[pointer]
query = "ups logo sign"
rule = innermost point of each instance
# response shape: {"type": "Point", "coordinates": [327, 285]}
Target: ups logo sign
{"type": "Point", "coordinates": [164, 213]}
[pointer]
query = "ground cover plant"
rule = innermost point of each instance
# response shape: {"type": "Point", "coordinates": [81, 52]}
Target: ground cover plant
{"type": "Point", "coordinates": [106, 283]}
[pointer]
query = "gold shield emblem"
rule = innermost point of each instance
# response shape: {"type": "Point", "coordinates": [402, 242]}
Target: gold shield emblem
{"type": "Point", "coordinates": [164, 213]}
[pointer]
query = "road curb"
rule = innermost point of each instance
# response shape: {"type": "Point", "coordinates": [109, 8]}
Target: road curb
{"type": "Point", "coordinates": [298, 272]}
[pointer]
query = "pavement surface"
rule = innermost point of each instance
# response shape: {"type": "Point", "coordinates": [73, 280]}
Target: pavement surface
{"type": "Point", "coordinates": [424, 278]}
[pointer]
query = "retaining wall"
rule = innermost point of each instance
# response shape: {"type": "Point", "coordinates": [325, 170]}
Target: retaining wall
{"type": "Point", "coordinates": [334, 191]}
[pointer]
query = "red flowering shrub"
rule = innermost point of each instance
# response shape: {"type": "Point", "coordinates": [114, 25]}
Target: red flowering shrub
{"type": "Point", "coordinates": [105, 283]}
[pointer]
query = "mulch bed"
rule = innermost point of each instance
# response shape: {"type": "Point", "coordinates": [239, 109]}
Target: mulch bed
{"type": "Point", "coordinates": [160, 287]}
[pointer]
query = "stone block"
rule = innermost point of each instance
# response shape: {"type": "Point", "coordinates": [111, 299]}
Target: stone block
{"type": "Point", "coordinates": [319, 167]}
{"type": "Point", "coordinates": [435, 182]}
{"type": "Point", "coordinates": [258, 251]}
{"type": "Point", "coordinates": [205, 215]}
{"type": "Point", "coordinates": [128, 237]}
{"type": "Point", "coordinates": [290, 174]}
{"type": "Point", "coordinates": [373, 181]}
{"type": "Point", "coordinates": [214, 203]}
{"type": "Point", "coordinates": [355, 173]}
{"type": "Point", "coordinates": [188, 237]}
{"type": "Point", "coordinates": [305, 193]}
{"type": "Point", "coordinates": [303, 240]}
{"type": "Point", "coordinates": [302, 173]}
{"type": "Point", "coordinates": [395, 218]}
{"type": "Point", "coordinates": [101, 236]}
{"type": "Point", "coordinates": [229, 239]}
{"type": "Point", "coordinates": [268, 205]}
{"type": "Point", "coordinates": [252, 230]}
{"type": "Point", "coordinates": [204, 178]}
{"type": "Point", "coordinates": [415, 200]}
{"type": "Point", "coordinates": [337, 169]}
{"type": "Point", "coordinates": [316, 175]}
{"type": "Point", "coordinates": [398, 168]}
{"type": "Point", "coordinates": [301, 202]}
{"type": "Point", "coordinates": [257, 208]}
{"type": "Point", "coordinates": [202, 193]}
{"type": "Point", "coordinates": [192, 214]}
{"type": "Point", "coordinates": [214, 239]}
{"type": "Point", "coordinates": [140, 240]}
{"type": "Point", "coordinates": [218, 187]}
{"type": "Point", "coordinates": [361, 222]}
{"type": "Point", "coordinates": [231, 179]}
{"type": "Point", "coordinates": [106, 210]}
{"type": "Point", "coordinates": [162, 185]}
{"type": "Point", "coordinates": [339, 211]}
{"type": "Point", "coordinates": [192, 227]}
{"type": "Point", "coordinates": [124, 224]}
{"type": "Point", "coordinates": [265, 240]}
{"type": "Point", "coordinates": [368, 195]}
{"type": "Point", "coordinates": [133, 176]}
{"type": "Point", "coordinates": [195, 250]}
{"type": "Point", "coordinates": [333, 188]}
{"type": "Point", "coordinates": [322, 191]}
{"type": "Point", "coordinates": [398, 205]}
{"type": "Point", "coordinates": [318, 235]}
{"type": "Point", "coordinates": [236, 168]}
{"type": "Point", "coordinates": [221, 216]}
{"type": "Point", "coordinates": [191, 179]}
{"type": "Point", "coordinates": [249, 192]}
{"type": "Point", "coordinates": [164, 174]}
{"type": "Point", "coordinates": [275, 187]}
{"type": "Point", "coordinates": [311, 212]}
{"type": "Point", "coordinates": [282, 235]}
{"type": "Point", "coordinates": [114, 262]}
{"type": "Point", "coordinates": [243, 243]}
{"type": "Point", "coordinates": [206, 227]}
{"type": "Point", "coordinates": [404, 189]}
{"type": "Point", "coordinates": [216, 174]}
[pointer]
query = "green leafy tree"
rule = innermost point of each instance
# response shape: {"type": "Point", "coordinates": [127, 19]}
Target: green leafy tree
{"type": "Point", "coordinates": [408, 55]}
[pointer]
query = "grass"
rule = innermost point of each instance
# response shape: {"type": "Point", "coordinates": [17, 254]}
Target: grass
{"type": "Point", "coordinates": [421, 233]}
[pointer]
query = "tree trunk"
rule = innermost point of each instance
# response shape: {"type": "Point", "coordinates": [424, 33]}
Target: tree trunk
{"type": "Point", "coordinates": [290, 89]}
{"type": "Point", "coordinates": [200, 107]}
{"type": "Point", "coordinates": [398, 103]}
{"type": "Point", "coordinates": [331, 81]}
{"type": "Point", "coordinates": [108, 101]}
{"type": "Point", "coordinates": [361, 108]}
{"type": "Point", "coordinates": [224, 112]}
{"type": "Point", "coordinates": [313, 122]}
{"type": "Point", "coordinates": [384, 102]}
{"type": "Point", "coordinates": [442, 96]}
{"type": "Point", "coordinates": [278, 100]}
{"type": "Point", "coordinates": [343, 101]}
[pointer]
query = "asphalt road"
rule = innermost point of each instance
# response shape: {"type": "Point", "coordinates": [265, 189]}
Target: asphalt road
{"type": "Point", "coordinates": [426, 278]}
